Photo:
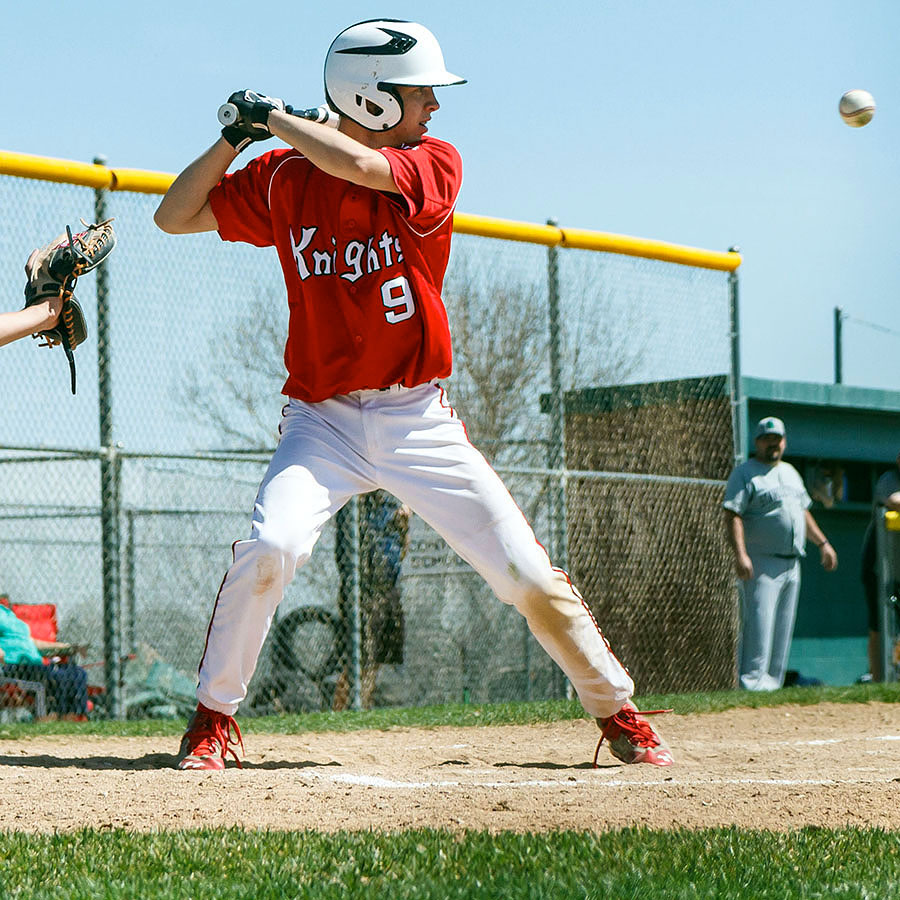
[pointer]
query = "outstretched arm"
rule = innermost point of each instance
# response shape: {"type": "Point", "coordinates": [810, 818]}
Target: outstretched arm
{"type": "Point", "coordinates": [32, 319]}
{"type": "Point", "coordinates": [185, 208]}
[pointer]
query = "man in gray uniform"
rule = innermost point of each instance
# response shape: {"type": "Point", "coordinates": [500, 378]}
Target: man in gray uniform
{"type": "Point", "coordinates": [767, 520]}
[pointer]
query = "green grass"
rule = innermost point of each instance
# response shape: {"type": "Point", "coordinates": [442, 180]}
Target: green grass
{"type": "Point", "coordinates": [438, 865]}
{"type": "Point", "coordinates": [221, 864]}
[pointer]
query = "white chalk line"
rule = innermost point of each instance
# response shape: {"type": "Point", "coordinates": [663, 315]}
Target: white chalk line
{"type": "Point", "coordinates": [571, 781]}
{"type": "Point", "coordinates": [817, 743]}
{"type": "Point", "coordinates": [821, 741]}
{"type": "Point", "coordinates": [391, 784]}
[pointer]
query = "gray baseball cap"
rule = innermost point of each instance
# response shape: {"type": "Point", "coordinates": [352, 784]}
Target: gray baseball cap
{"type": "Point", "coordinates": [769, 425]}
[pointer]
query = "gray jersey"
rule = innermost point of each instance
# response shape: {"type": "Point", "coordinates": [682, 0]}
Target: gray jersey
{"type": "Point", "coordinates": [772, 502]}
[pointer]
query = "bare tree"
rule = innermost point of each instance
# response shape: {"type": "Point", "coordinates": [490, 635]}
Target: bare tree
{"type": "Point", "coordinates": [500, 350]}
{"type": "Point", "coordinates": [603, 336]}
{"type": "Point", "coordinates": [236, 391]}
{"type": "Point", "coordinates": [501, 354]}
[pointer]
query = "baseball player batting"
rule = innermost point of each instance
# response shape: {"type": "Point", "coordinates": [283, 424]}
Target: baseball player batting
{"type": "Point", "coordinates": [361, 217]}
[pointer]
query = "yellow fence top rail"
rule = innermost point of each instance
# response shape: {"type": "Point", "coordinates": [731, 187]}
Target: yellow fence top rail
{"type": "Point", "coordinates": [43, 168]}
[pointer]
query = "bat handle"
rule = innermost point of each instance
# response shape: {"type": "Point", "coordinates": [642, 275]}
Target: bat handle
{"type": "Point", "coordinates": [322, 114]}
{"type": "Point", "coordinates": [228, 114]}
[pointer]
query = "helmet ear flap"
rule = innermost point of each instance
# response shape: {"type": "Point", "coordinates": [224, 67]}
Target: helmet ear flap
{"type": "Point", "coordinates": [388, 120]}
{"type": "Point", "coordinates": [378, 108]}
{"type": "Point", "coordinates": [365, 109]}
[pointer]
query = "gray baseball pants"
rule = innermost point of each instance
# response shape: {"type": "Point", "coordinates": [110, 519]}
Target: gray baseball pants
{"type": "Point", "coordinates": [768, 609]}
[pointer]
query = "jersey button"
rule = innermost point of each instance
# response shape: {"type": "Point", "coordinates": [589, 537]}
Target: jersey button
{"type": "Point", "coordinates": [357, 338]}
{"type": "Point", "coordinates": [351, 223]}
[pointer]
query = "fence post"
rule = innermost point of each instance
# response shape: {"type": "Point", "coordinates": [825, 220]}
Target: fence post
{"type": "Point", "coordinates": [838, 345]}
{"type": "Point", "coordinates": [347, 559]}
{"type": "Point", "coordinates": [130, 629]}
{"type": "Point", "coordinates": [556, 447]}
{"type": "Point", "coordinates": [738, 402]}
{"type": "Point", "coordinates": [110, 471]}
{"type": "Point", "coordinates": [355, 618]}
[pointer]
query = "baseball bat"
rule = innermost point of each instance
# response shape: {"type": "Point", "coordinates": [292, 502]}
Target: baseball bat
{"type": "Point", "coordinates": [228, 114]}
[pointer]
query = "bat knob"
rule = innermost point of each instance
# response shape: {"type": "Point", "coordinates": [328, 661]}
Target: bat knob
{"type": "Point", "coordinates": [228, 114]}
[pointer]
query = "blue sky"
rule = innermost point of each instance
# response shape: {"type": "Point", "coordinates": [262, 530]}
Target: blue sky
{"type": "Point", "coordinates": [697, 122]}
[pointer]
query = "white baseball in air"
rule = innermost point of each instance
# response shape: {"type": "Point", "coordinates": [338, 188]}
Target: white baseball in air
{"type": "Point", "coordinates": [857, 108]}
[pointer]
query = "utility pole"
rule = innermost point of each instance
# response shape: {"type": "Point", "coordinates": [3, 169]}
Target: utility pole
{"type": "Point", "coordinates": [838, 340]}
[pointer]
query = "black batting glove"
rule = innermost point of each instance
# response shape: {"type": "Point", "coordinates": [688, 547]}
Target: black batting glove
{"type": "Point", "coordinates": [240, 136]}
{"type": "Point", "coordinates": [253, 115]}
{"type": "Point", "coordinates": [253, 108]}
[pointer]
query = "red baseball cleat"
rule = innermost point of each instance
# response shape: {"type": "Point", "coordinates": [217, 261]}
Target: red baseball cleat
{"type": "Point", "coordinates": [631, 739]}
{"type": "Point", "coordinates": [207, 739]}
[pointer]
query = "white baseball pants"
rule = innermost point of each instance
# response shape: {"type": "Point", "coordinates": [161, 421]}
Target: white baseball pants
{"type": "Point", "coordinates": [411, 443]}
{"type": "Point", "coordinates": [768, 610]}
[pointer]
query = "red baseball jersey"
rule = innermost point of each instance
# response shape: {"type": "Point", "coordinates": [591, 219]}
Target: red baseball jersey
{"type": "Point", "coordinates": [363, 269]}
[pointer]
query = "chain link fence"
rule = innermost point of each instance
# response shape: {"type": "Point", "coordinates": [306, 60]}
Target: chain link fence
{"type": "Point", "coordinates": [598, 384]}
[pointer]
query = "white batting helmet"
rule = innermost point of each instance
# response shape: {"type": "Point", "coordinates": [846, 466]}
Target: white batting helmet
{"type": "Point", "coordinates": [367, 60]}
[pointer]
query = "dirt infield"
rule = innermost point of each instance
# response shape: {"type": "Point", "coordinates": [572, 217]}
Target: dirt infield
{"type": "Point", "coordinates": [780, 768]}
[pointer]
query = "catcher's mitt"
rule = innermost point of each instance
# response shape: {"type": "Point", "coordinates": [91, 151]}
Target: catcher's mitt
{"type": "Point", "coordinates": [52, 272]}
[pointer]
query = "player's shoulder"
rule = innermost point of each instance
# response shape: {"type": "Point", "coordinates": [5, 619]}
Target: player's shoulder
{"type": "Point", "coordinates": [788, 471]}
{"type": "Point", "coordinates": [436, 147]}
{"type": "Point", "coordinates": [750, 468]}
{"type": "Point", "coordinates": [437, 144]}
{"type": "Point", "coordinates": [275, 167]}
{"type": "Point", "coordinates": [739, 480]}
{"type": "Point", "coordinates": [753, 474]}
{"type": "Point", "coordinates": [272, 160]}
